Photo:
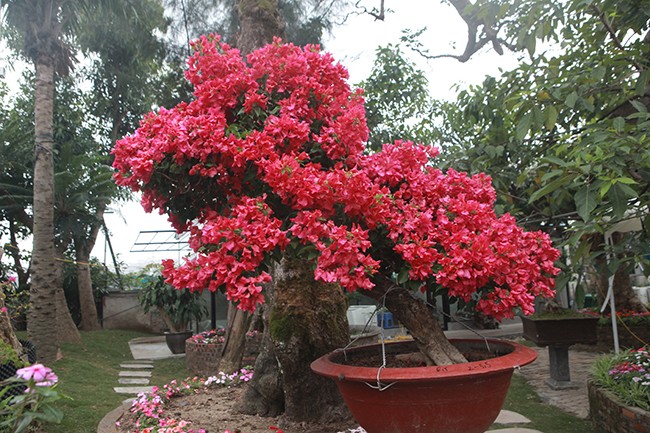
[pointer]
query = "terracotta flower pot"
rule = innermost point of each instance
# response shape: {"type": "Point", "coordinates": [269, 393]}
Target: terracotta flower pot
{"type": "Point", "coordinates": [460, 398]}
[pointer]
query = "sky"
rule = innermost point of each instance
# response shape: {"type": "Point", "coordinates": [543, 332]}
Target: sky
{"type": "Point", "coordinates": [353, 44]}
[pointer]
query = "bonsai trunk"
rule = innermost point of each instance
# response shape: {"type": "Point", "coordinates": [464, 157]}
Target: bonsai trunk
{"type": "Point", "coordinates": [418, 318]}
{"type": "Point", "coordinates": [305, 319]}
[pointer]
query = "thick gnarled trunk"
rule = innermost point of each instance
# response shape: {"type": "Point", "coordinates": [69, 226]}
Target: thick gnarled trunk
{"type": "Point", "coordinates": [307, 319]}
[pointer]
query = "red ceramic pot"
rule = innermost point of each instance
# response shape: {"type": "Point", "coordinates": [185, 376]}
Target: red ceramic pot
{"type": "Point", "coordinates": [460, 398]}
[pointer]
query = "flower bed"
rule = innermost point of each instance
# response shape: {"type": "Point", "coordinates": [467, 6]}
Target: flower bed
{"type": "Point", "coordinates": [203, 352]}
{"type": "Point", "coordinates": [157, 412]}
{"type": "Point", "coordinates": [609, 415]}
{"type": "Point", "coordinates": [148, 410]}
{"type": "Point", "coordinates": [619, 393]}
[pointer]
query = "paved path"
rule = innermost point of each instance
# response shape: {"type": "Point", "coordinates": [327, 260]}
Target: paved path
{"type": "Point", "coordinates": [575, 401]}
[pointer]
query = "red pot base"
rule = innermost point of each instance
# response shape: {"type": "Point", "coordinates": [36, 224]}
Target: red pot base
{"type": "Point", "coordinates": [461, 398]}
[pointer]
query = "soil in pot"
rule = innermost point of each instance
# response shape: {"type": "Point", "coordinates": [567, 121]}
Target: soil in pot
{"type": "Point", "coordinates": [409, 356]}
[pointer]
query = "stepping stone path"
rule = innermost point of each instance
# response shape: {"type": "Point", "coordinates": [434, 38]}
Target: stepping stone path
{"type": "Point", "coordinates": [135, 376]}
{"type": "Point", "coordinates": [507, 417]}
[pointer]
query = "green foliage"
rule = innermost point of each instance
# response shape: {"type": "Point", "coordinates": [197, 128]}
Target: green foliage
{"type": "Point", "coordinates": [565, 134]}
{"type": "Point", "coordinates": [9, 355]}
{"type": "Point", "coordinates": [177, 307]}
{"type": "Point", "coordinates": [398, 105]}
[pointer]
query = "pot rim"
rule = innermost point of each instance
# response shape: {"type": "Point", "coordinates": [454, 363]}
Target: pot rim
{"type": "Point", "coordinates": [518, 357]}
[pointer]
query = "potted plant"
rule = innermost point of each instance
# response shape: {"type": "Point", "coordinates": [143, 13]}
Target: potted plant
{"type": "Point", "coordinates": [176, 308]}
{"type": "Point", "coordinates": [268, 165]}
{"type": "Point", "coordinates": [556, 326]}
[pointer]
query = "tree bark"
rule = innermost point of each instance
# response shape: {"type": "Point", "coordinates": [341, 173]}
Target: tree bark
{"type": "Point", "coordinates": [83, 246]}
{"type": "Point", "coordinates": [42, 313]}
{"type": "Point", "coordinates": [418, 318]}
{"type": "Point", "coordinates": [235, 341]}
{"type": "Point", "coordinates": [89, 321]}
{"type": "Point", "coordinates": [66, 329]}
{"type": "Point", "coordinates": [264, 394]}
{"type": "Point", "coordinates": [307, 319]}
{"type": "Point", "coordinates": [260, 22]}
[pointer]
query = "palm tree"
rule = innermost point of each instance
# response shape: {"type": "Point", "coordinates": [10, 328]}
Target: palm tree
{"type": "Point", "coordinates": [43, 26]}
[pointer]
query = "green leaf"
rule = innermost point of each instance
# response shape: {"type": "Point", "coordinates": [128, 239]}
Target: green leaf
{"type": "Point", "coordinates": [24, 423]}
{"type": "Point", "coordinates": [581, 251]}
{"type": "Point", "coordinates": [523, 126]}
{"type": "Point", "coordinates": [626, 180]}
{"type": "Point", "coordinates": [571, 100]}
{"type": "Point", "coordinates": [618, 199]}
{"type": "Point", "coordinates": [585, 200]}
{"type": "Point", "coordinates": [403, 276]}
{"type": "Point", "coordinates": [618, 124]}
{"type": "Point", "coordinates": [641, 83]}
{"type": "Point", "coordinates": [550, 187]}
{"type": "Point", "coordinates": [639, 106]}
{"type": "Point", "coordinates": [550, 115]}
{"type": "Point", "coordinates": [555, 160]}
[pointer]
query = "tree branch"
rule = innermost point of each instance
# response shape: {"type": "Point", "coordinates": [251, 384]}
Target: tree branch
{"type": "Point", "coordinates": [378, 15]}
{"type": "Point", "coordinates": [612, 34]}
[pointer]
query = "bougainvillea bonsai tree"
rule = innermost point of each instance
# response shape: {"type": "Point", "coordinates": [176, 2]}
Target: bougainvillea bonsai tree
{"type": "Point", "coordinates": [268, 161]}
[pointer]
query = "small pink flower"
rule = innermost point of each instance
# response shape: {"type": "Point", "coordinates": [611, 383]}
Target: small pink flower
{"type": "Point", "coordinates": [42, 376]}
{"type": "Point", "coordinates": [3, 310]}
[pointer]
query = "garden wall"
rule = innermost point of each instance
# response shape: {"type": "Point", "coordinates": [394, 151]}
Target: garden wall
{"type": "Point", "coordinates": [121, 310]}
{"type": "Point", "coordinates": [610, 416]}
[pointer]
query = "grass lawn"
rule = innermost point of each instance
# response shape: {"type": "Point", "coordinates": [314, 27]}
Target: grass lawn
{"type": "Point", "coordinates": [522, 399]}
{"type": "Point", "coordinates": [89, 371]}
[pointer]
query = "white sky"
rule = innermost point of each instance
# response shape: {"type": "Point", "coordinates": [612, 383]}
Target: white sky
{"type": "Point", "coordinates": [353, 44]}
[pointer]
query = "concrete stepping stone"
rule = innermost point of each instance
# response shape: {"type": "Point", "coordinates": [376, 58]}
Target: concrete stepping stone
{"type": "Point", "coordinates": [132, 381]}
{"type": "Point", "coordinates": [510, 417]}
{"type": "Point", "coordinates": [514, 430]}
{"type": "Point", "coordinates": [136, 365]}
{"type": "Point", "coordinates": [135, 374]}
{"type": "Point", "coordinates": [132, 389]}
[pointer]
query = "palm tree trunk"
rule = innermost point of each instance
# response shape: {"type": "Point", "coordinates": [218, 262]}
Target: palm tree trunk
{"type": "Point", "coordinates": [42, 313]}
